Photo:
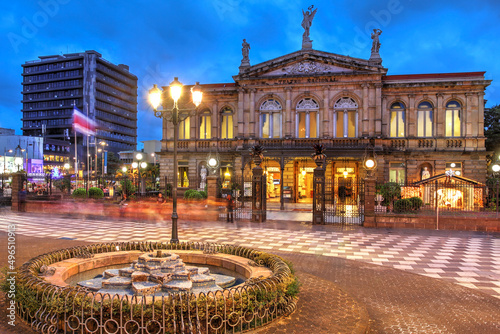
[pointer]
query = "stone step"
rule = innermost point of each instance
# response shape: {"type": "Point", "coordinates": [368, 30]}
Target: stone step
{"type": "Point", "coordinates": [145, 288]}
{"type": "Point", "coordinates": [124, 282]}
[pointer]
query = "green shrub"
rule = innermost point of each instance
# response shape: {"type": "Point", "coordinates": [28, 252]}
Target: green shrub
{"type": "Point", "coordinates": [195, 195]}
{"type": "Point", "coordinates": [390, 191]}
{"type": "Point", "coordinates": [402, 205]}
{"type": "Point", "coordinates": [79, 193]}
{"type": "Point", "coordinates": [188, 193]}
{"type": "Point", "coordinates": [416, 202]}
{"type": "Point", "coordinates": [127, 187]}
{"type": "Point", "coordinates": [203, 193]}
{"type": "Point", "coordinates": [96, 193]}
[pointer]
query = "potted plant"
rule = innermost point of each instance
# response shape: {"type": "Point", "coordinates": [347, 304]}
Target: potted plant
{"type": "Point", "coordinates": [319, 154]}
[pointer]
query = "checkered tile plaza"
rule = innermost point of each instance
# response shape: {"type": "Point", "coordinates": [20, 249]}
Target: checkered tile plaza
{"type": "Point", "coordinates": [466, 258]}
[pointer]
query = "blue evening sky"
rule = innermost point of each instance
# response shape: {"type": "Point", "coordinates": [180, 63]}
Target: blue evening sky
{"type": "Point", "coordinates": [201, 40]}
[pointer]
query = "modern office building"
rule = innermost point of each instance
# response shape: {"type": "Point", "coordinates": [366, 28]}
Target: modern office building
{"type": "Point", "coordinates": [107, 93]}
{"type": "Point", "coordinates": [415, 125]}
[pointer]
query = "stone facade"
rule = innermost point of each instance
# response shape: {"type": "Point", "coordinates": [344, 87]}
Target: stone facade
{"type": "Point", "coordinates": [349, 105]}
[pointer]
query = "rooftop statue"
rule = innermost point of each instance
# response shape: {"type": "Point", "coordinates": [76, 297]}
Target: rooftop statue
{"type": "Point", "coordinates": [306, 24]}
{"type": "Point", "coordinates": [245, 47]}
{"type": "Point", "coordinates": [376, 43]}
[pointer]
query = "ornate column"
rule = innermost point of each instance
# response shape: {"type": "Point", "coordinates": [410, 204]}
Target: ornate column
{"type": "Point", "coordinates": [365, 117]}
{"type": "Point", "coordinates": [288, 112]}
{"type": "Point", "coordinates": [241, 121]}
{"type": "Point", "coordinates": [480, 106]}
{"type": "Point", "coordinates": [252, 126]}
{"type": "Point", "coordinates": [319, 192]}
{"type": "Point", "coordinates": [378, 109]}
{"type": "Point", "coordinates": [411, 127]}
{"type": "Point", "coordinates": [325, 118]}
{"type": "Point", "coordinates": [282, 171]}
{"type": "Point", "coordinates": [439, 116]}
{"type": "Point", "coordinates": [258, 192]}
{"type": "Point", "coordinates": [370, 202]}
{"type": "Point", "coordinates": [385, 117]}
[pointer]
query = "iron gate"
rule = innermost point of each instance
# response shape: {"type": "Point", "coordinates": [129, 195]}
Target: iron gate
{"type": "Point", "coordinates": [344, 201]}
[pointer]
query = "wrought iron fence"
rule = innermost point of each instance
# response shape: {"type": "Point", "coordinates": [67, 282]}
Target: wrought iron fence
{"type": "Point", "coordinates": [53, 309]}
{"type": "Point", "coordinates": [344, 201]}
{"type": "Point", "coordinates": [447, 197]}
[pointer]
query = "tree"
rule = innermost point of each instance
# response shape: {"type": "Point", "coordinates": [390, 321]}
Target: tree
{"type": "Point", "coordinates": [492, 129]}
{"type": "Point", "coordinates": [114, 163]}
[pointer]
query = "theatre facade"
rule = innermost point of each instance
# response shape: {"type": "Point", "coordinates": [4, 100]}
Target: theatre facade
{"type": "Point", "coordinates": [415, 126]}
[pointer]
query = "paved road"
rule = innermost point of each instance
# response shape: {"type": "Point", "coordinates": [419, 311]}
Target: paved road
{"type": "Point", "coordinates": [373, 267]}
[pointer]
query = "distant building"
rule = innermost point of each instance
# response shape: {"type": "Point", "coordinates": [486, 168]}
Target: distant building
{"type": "Point", "coordinates": [29, 149]}
{"type": "Point", "coordinates": [149, 153]}
{"type": "Point", "coordinates": [104, 91]}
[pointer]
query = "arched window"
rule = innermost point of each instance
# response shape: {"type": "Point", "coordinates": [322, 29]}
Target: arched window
{"type": "Point", "coordinates": [307, 118]}
{"type": "Point", "coordinates": [184, 128]}
{"type": "Point", "coordinates": [453, 115]}
{"type": "Point", "coordinates": [226, 123]}
{"type": "Point", "coordinates": [424, 120]}
{"type": "Point", "coordinates": [270, 119]}
{"type": "Point", "coordinates": [398, 118]}
{"type": "Point", "coordinates": [206, 125]}
{"type": "Point", "coordinates": [345, 118]}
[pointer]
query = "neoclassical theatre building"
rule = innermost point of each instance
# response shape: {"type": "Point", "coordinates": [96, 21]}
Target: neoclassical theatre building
{"type": "Point", "coordinates": [409, 123]}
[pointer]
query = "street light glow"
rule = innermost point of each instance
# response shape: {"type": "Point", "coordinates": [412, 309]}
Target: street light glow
{"type": "Point", "coordinates": [495, 168]}
{"type": "Point", "coordinates": [175, 90]}
{"type": "Point", "coordinates": [197, 94]}
{"type": "Point", "coordinates": [66, 166]}
{"type": "Point", "coordinates": [144, 164]}
{"type": "Point", "coordinates": [212, 162]}
{"type": "Point", "coordinates": [138, 156]}
{"type": "Point", "coordinates": [155, 96]}
{"type": "Point", "coordinates": [370, 163]}
{"type": "Point", "coordinates": [134, 165]}
{"type": "Point", "coordinates": [124, 169]}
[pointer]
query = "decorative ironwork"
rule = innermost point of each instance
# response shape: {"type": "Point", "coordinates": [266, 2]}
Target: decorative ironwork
{"type": "Point", "coordinates": [307, 104]}
{"type": "Point", "coordinates": [270, 105]}
{"type": "Point", "coordinates": [54, 309]}
{"type": "Point", "coordinates": [345, 103]}
{"type": "Point", "coordinates": [344, 201]}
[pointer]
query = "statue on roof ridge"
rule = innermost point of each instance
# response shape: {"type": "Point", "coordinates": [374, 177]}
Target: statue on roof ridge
{"type": "Point", "coordinates": [306, 24]}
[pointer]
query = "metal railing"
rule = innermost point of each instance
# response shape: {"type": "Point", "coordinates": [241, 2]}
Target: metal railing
{"type": "Point", "coordinates": [53, 309]}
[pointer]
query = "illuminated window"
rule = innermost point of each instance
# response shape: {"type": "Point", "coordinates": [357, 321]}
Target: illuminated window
{"type": "Point", "coordinates": [424, 120]}
{"type": "Point", "coordinates": [184, 128]}
{"type": "Point", "coordinates": [270, 119]}
{"type": "Point", "coordinates": [346, 118]}
{"type": "Point", "coordinates": [307, 118]}
{"type": "Point", "coordinates": [453, 114]}
{"type": "Point", "coordinates": [206, 125]}
{"type": "Point", "coordinates": [226, 123]}
{"type": "Point", "coordinates": [397, 172]}
{"type": "Point", "coordinates": [398, 116]}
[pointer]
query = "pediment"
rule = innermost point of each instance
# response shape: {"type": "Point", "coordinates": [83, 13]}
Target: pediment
{"type": "Point", "coordinates": [306, 67]}
{"type": "Point", "coordinates": [309, 63]}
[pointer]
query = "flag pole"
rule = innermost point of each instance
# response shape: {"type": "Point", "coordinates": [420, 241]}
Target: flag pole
{"type": "Point", "coordinates": [76, 151]}
{"type": "Point", "coordinates": [88, 156]}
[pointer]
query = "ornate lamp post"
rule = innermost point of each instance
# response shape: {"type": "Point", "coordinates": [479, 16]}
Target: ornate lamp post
{"type": "Point", "coordinates": [175, 115]}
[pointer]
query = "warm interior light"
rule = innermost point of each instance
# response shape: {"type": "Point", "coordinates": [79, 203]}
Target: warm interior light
{"type": "Point", "coordinates": [495, 168]}
{"type": "Point", "coordinates": [197, 94]}
{"type": "Point", "coordinates": [303, 171]}
{"type": "Point", "coordinates": [66, 166]}
{"type": "Point", "coordinates": [144, 164]}
{"type": "Point", "coordinates": [370, 163]}
{"type": "Point", "coordinates": [138, 156]}
{"type": "Point", "coordinates": [345, 172]}
{"type": "Point", "coordinates": [452, 165]}
{"type": "Point", "coordinates": [134, 164]}
{"type": "Point", "coordinates": [124, 169]}
{"type": "Point", "coordinates": [175, 89]}
{"type": "Point", "coordinates": [212, 162]}
{"type": "Point", "coordinates": [155, 96]}
{"type": "Point", "coordinates": [457, 172]}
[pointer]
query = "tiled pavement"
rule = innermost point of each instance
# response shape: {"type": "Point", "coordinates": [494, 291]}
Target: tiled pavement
{"type": "Point", "coordinates": [467, 258]}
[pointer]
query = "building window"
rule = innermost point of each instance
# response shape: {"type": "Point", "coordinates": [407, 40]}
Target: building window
{"type": "Point", "coordinates": [455, 167]}
{"type": "Point", "coordinates": [206, 125]}
{"type": "Point", "coordinates": [270, 119]}
{"type": "Point", "coordinates": [424, 120]}
{"type": "Point", "coordinates": [307, 118]}
{"type": "Point", "coordinates": [182, 176]}
{"type": "Point", "coordinates": [397, 172]}
{"type": "Point", "coordinates": [453, 114]}
{"type": "Point", "coordinates": [184, 128]}
{"type": "Point", "coordinates": [226, 123]}
{"type": "Point", "coordinates": [345, 118]}
{"type": "Point", "coordinates": [398, 117]}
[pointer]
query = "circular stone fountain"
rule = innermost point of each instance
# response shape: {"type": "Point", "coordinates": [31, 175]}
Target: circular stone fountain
{"type": "Point", "coordinates": [158, 274]}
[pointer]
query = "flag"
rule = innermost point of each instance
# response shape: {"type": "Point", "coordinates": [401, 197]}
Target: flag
{"type": "Point", "coordinates": [82, 123]}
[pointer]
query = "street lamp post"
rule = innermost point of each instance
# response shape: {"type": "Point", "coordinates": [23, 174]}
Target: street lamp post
{"type": "Point", "coordinates": [172, 114]}
{"type": "Point", "coordinates": [4, 166]}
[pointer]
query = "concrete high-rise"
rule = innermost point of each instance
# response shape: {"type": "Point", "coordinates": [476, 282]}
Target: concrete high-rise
{"type": "Point", "coordinates": [104, 91]}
